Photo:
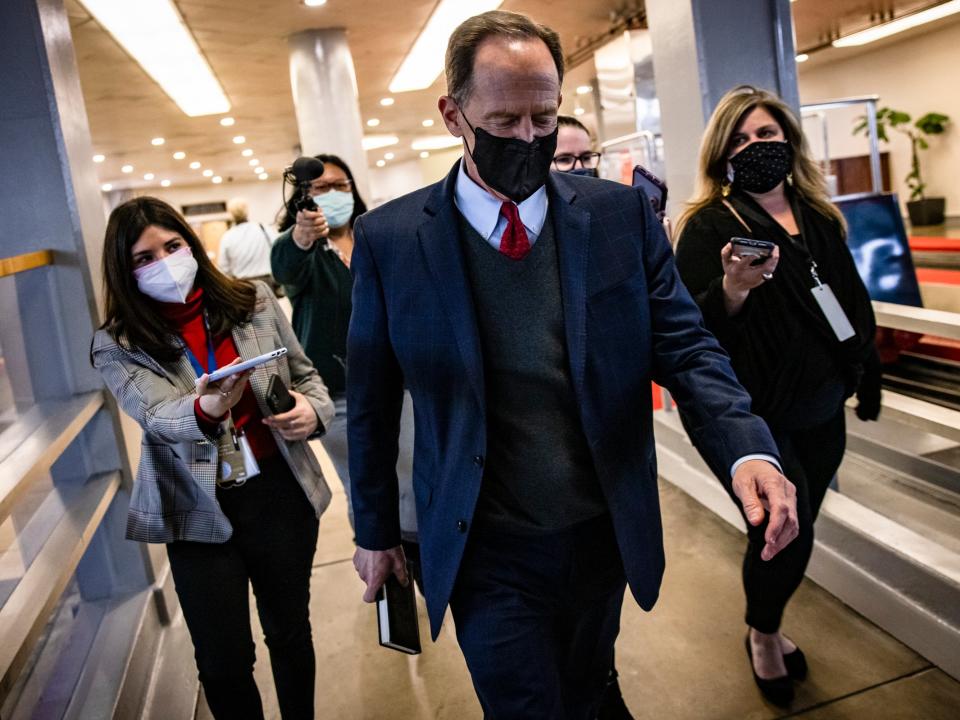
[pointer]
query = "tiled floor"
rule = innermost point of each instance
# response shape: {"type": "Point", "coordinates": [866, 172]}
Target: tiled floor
{"type": "Point", "coordinates": [683, 660]}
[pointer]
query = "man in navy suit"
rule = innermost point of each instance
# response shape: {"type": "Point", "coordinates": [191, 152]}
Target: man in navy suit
{"type": "Point", "coordinates": [527, 313]}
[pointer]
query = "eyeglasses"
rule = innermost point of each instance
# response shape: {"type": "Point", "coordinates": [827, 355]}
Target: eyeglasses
{"type": "Point", "coordinates": [319, 188]}
{"type": "Point", "coordinates": [588, 161]}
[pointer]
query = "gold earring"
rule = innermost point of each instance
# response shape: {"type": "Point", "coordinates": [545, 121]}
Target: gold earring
{"type": "Point", "coordinates": [725, 188]}
{"type": "Point", "coordinates": [790, 179]}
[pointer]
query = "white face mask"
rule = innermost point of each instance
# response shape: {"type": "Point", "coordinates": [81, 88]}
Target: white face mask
{"type": "Point", "coordinates": [168, 280]}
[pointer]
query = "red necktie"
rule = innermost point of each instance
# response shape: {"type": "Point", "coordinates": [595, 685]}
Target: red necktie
{"type": "Point", "coordinates": [514, 243]}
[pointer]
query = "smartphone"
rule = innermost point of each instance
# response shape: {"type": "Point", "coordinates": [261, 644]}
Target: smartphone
{"type": "Point", "coordinates": [220, 374]}
{"type": "Point", "coordinates": [654, 187]}
{"type": "Point", "coordinates": [759, 250]}
{"type": "Point", "coordinates": [278, 398]}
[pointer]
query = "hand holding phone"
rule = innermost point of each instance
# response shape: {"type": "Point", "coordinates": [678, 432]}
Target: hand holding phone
{"type": "Point", "coordinates": [278, 398]}
{"type": "Point", "coordinates": [232, 369]}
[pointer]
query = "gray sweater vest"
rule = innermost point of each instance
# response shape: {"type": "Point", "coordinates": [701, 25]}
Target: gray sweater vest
{"type": "Point", "coordinates": [538, 475]}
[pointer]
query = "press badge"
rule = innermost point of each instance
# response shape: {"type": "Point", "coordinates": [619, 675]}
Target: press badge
{"type": "Point", "coordinates": [237, 462]}
{"type": "Point", "coordinates": [833, 312]}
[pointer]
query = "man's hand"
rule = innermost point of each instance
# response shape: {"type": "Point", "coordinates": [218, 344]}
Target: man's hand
{"type": "Point", "coordinates": [310, 227]}
{"type": "Point", "coordinates": [375, 566]}
{"type": "Point", "coordinates": [760, 487]}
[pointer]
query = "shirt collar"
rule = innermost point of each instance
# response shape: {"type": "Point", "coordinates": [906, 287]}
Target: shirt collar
{"type": "Point", "coordinates": [482, 210]}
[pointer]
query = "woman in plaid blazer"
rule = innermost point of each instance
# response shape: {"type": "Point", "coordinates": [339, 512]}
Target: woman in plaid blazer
{"type": "Point", "coordinates": [234, 492]}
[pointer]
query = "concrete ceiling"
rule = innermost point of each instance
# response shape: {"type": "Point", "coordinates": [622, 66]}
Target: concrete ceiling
{"type": "Point", "coordinates": [245, 44]}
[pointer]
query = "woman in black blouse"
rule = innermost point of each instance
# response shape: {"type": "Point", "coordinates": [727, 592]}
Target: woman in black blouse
{"type": "Point", "coordinates": [757, 180]}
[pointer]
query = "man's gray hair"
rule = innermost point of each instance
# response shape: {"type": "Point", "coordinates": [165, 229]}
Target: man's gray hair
{"type": "Point", "coordinates": [462, 48]}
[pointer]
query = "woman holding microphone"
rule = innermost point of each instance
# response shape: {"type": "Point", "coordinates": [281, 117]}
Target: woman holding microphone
{"type": "Point", "coordinates": [233, 492]}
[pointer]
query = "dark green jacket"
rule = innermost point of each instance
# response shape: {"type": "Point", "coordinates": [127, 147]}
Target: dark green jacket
{"type": "Point", "coordinates": [319, 287]}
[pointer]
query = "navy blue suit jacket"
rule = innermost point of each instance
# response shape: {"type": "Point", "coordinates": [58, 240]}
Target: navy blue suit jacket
{"type": "Point", "coordinates": [628, 319]}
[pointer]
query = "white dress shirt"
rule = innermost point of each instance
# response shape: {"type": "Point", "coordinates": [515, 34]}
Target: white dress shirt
{"type": "Point", "coordinates": [482, 211]}
{"type": "Point", "coordinates": [245, 250]}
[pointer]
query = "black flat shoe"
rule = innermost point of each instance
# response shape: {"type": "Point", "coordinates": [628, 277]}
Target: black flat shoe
{"type": "Point", "coordinates": [796, 664]}
{"type": "Point", "coordinates": [778, 690]}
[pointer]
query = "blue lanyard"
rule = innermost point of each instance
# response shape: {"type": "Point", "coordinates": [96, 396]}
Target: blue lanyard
{"type": "Point", "coordinates": [211, 356]}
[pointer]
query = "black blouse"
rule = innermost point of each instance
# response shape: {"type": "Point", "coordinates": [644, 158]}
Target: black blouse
{"type": "Point", "coordinates": [781, 346]}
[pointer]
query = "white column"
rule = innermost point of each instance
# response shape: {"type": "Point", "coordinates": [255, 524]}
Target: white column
{"type": "Point", "coordinates": [325, 96]}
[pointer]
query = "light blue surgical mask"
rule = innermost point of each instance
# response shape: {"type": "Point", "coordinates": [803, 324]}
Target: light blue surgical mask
{"type": "Point", "coordinates": [337, 207]}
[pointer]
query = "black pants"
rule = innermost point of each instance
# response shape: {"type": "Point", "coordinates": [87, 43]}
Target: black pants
{"type": "Point", "coordinates": [810, 459]}
{"type": "Point", "coordinates": [537, 618]}
{"type": "Point", "coordinates": [274, 539]}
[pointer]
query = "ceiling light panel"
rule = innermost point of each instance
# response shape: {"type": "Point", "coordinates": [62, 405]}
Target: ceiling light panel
{"type": "Point", "coordinates": [424, 63]}
{"type": "Point", "coordinates": [435, 142]}
{"type": "Point", "coordinates": [893, 27]}
{"type": "Point", "coordinates": [154, 34]}
{"type": "Point", "coordinates": [372, 142]}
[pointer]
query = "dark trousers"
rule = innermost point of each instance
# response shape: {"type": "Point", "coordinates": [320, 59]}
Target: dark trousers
{"type": "Point", "coordinates": [537, 617]}
{"type": "Point", "coordinates": [272, 547]}
{"type": "Point", "coordinates": [810, 459]}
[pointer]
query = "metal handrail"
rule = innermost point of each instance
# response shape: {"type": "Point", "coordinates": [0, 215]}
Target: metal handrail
{"type": "Point", "coordinates": [871, 102]}
{"type": "Point", "coordinates": [919, 320]}
{"type": "Point", "coordinates": [27, 261]}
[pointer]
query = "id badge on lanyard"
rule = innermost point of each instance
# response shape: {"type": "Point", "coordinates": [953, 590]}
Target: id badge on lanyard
{"type": "Point", "coordinates": [237, 463]}
{"type": "Point", "coordinates": [830, 307]}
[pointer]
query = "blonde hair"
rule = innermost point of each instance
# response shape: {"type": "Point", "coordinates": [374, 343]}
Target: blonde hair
{"type": "Point", "coordinates": [237, 207]}
{"type": "Point", "coordinates": [808, 180]}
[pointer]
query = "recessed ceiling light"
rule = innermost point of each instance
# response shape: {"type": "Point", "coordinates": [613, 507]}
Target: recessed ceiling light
{"type": "Point", "coordinates": [373, 122]}
{"type": "Point", "coordinates": [239, 140]}
{"type": "Point", "coordinates": [387, 101]}
{"type": "Point", "coordinates": [194, 165]}
{"type": "Point", "coordinates": [127, 169]}
{"type": "Point", "coordinates": [258, 170]}
{"type": "Point", "coordinates": [578, 111]}
{"type": "Point", "coordinates": [584, 89]}
{"type": "Point", "coordinates": [424, 63]}
{"type": "Point", "coordinates": [314, 3]}
{"type": "Point", "coordinates": [373, 142]}
{"type": "Point", "coordinates": [247, 153]}
{"type": "Point", "coordinates": [263, 176]}
{"type": "Point", "coordinates": [179, 155]}
{"type": "Point", "coordinates": [899, 25]}
{"type": "Point", "coordinates": [164, 183]}
{"type": "Point", "coordinates": [802, 57]}
{"type": "Point", "coordinates": [157, 141]}
{"type": "Point", "coordinates": [216, 179]}
{"type": "Point", "coordinates": [148, 176]}
{"type": "Point", "coordinates": [435, 142]}
{"type": "Point", "coordinates": [424, 154]}
{"type": "Point", "coordinates": [208, 173]}
{"type": "Point", "coordinates": [155, 35]}
{"type": "Point", "coordinates": [381, 163]}
{"type": "Point", "coordinates": [427, 123]}
{"type": "Point", "coordinates": [227, 121]}
{"type": "Point", "coordinates": [99, 158]}
{"type": "Point", "coordinates": [254, 162]}
{"type": "Point", "coordinates": [388, 156]}
{"type": "Point", "coordinates": [106, 187]}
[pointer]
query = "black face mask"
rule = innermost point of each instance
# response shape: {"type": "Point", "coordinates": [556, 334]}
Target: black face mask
{"type": "Point", "coordinates": [587, 172]}
{"type": "Point", "coordinates": [761, 166]}
{"type": "Point", "coordinates": [512, 167]}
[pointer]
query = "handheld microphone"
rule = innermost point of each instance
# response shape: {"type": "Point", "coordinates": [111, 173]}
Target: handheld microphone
{"type": "Point", "coordinates": [303, 172]}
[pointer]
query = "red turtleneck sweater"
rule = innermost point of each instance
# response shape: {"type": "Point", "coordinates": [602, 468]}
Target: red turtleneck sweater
{"type": "Point", "coordinates": [187, 318]}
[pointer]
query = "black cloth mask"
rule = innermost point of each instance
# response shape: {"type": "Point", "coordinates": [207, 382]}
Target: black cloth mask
{"type": "Point", "coordinates": [512, 167]}
{"type": "Point", "coordinates": [762, 165]}
{"type": "Point", "coordinates": [587, 172]}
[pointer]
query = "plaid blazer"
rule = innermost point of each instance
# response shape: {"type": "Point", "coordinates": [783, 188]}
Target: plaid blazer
{"type": "Point", "coordinates": [174, 494]}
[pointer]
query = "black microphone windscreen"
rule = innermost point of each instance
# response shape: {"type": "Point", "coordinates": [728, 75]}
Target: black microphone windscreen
{"type": "Point", "coordinates": [307, 169]}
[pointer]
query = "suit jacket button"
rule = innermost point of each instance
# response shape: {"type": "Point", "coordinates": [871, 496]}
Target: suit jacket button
{"type": "Point", "coordinates": [462, 525]}
{"type": "Point", "coordinates": [478, 460]}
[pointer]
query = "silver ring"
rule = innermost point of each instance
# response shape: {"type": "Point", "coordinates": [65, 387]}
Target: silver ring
{"type": "Point", "coordinates": [225, 394]}
{"type": "Point", "coordinates": [767, 276]}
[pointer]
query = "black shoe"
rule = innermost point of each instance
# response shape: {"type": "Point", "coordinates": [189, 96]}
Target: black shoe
{"type": "Point", "coordinates": [796, 664]}
{"type": "Point", "coordinates": [778, 690]}
{"type": "Point", "coordinates": [613, 707]}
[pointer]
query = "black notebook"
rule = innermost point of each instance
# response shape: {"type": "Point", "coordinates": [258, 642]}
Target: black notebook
{"type": "Point", "coordinates": [397, 617]}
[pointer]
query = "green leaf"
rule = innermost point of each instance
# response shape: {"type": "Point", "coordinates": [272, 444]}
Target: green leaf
{"type": "Point", "coordinates": [932, 123]}
{"type": "Point", "coordinates": [922, 144]}
{"type": "Point", "coordinates": [898, 118]}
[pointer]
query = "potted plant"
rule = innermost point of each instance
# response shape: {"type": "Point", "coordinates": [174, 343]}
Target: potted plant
{"type": "Point", "coordinates": [923, 210]}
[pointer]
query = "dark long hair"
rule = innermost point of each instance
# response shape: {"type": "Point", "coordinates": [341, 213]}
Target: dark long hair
{"type": "Point", "coordinates": [288, 215]}
{"type": "Point", "coordinates": [131, 317]}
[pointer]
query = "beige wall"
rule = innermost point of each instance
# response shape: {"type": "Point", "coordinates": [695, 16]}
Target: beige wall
{"type": "Point", "coordinates": [918, 74]}
{"type": "Point", "coordinates": [263, 196]}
